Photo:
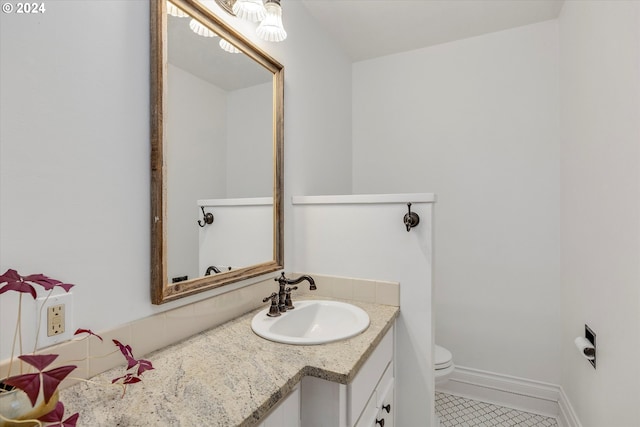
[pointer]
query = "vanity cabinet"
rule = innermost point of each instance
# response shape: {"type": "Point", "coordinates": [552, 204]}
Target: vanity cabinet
{"type": "Point", "coordinates": [361, 403]}
{"type": "Point", "coordinates": [378, 411]}
{"type": "Point", "coordinates": [286, 414]}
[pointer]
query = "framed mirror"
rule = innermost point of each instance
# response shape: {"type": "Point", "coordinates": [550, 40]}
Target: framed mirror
{"type": "Point", "coordinates": [216, 153]}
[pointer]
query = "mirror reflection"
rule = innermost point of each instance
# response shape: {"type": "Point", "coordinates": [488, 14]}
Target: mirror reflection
{"type": "Point", "coordinates": [219, 130]}
{"type": "Point", "coordinates": [219, 146]}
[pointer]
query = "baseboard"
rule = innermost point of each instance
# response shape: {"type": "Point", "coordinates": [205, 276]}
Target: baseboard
{"type": "Point", "coordinates": [567, 416]}
{"type": "Point", "coordinates": [512, 392]}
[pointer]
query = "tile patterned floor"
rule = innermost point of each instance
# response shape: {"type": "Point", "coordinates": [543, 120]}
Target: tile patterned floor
{"type": "Point", "coordinates": [456, 411]}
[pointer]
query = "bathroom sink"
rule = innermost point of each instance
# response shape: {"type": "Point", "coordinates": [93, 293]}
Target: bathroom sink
{"type": "Point", "coordinates": [312, 322]}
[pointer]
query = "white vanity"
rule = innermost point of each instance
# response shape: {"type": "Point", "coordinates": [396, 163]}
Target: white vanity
{"type": "Point", "coordinates": [359, 403]}
{"type": "Point", "coordinates": [366, 402]}
{"type": "Point", "coordinates": [286, 414]}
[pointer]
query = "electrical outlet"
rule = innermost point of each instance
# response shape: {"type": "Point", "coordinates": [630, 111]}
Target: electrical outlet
{"type": "Point", "coordinates": [55, 317]}
{"type": "Point", "coordinates": [55, 320]}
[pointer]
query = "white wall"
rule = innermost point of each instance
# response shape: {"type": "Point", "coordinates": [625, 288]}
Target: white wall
{"type": "Point", "coordinates": [74, 145]}
{"type": "Point", "coordinates": [250, 142]}
{"type": "Point", "coordinates": [317, 109]}
{"type": "Point", "coordinates": [600, 122]}
{"type": "Point", "coordinates": [241, 234]}
{"type": "Point", "coordinates": [74, 163]}
{"type": "Point", "coordinates": [342, 236]}
{"type": "Point", "coordinates": [476, 122]}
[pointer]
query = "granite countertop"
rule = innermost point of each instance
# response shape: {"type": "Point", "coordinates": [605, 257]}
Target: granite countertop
{"type": "Point", "coordinates": [225, 376]}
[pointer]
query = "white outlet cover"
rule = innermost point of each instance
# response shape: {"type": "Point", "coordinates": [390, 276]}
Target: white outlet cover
{"type": "Point", "coordinates": [41, 317]}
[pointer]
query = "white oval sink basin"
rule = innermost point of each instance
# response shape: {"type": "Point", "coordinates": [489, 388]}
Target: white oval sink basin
{"type": "Point", "coordinates": [312, 322]}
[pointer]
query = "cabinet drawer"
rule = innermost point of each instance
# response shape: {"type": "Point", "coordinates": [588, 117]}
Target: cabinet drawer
{"type": "Point", "coordinates": [363, 385]}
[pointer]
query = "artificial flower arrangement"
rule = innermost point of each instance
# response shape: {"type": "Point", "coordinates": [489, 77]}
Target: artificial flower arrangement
{"type": "Point", "coordinates": [41, 386]}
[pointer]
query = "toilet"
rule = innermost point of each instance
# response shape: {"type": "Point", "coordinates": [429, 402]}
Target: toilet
{"type": "Point", "coordinates": [443, 367]}
{"type": "Point", "coordinates": [443, 364]}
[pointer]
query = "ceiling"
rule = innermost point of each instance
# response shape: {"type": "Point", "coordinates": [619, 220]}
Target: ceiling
{"type": "Point", "coordinates": [357, 26]}
{"type": "Point", "coordinates": [203, 57]}
{"type": "Point", "coordinates": [372, 28]}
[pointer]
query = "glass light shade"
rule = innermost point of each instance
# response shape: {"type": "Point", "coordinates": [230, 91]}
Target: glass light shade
{"type": "Point", "coordinates": [228, 47]}
{"type": "Point", "coordinates": [200, 29]}
{"type": "Point", "coordinates": [174, 10]}
{"type": "Point", "coordinates": [271, 29]}
{"type": "Point", "coordinates": [250, 10]}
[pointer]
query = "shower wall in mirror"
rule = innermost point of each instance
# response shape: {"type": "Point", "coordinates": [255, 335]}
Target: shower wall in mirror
{"type": "Point", "coordinates": [219, 134]}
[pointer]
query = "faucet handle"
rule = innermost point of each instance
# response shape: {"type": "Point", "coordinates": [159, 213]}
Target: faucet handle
{"type": "Point", "coordinates": [273, 309]}
{"type": "Point", "coordinates": [287, 301]}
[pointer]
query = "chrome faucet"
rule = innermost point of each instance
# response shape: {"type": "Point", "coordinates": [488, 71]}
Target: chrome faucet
{"type": "Point", "coordinates": [284, 293]}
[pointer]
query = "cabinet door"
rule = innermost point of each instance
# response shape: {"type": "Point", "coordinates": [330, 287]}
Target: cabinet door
{"type": "Point", "coordinates": [386, 405]}
{"type": "Point", "coordinates": [287, 414]}
{"type": "Point", "coordinates": [365, 382]}
{"type": "Point", "coordinates": [369, 414]}
{"type": "Point", "coordinates": [378, 411]}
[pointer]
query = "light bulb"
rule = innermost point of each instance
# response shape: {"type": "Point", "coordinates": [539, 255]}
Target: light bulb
{"type": "Point", "coordinates": [228, 47]}
{"type": "Point", "coordinates": [200, 29]}
{"type": "Point", "coordinates": [271, 29]}
{"type": "Point", "coordinates": [250, 10]}
{"type": "Point", "coordinates": [174, 10]}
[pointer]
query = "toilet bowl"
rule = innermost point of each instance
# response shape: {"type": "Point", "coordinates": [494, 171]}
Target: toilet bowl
{"type": "Point", "coordinates": [443, 368]}
{"type": "Point", "coordinates": [443, 364]}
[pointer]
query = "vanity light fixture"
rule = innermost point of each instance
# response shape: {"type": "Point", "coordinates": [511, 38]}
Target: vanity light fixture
{"type": "Point", "coordinates": [249, 10]}
{"type": "Point", "coordinates": [267, 12]}
{"type": "Point", "coordinates": [174, 10]}
{"type": "Point", "coordinates": [200, 29]}
{"type": "Point", "coordinates": [271, 29]}
{"type": "Point", "coordinates": [228, 47]}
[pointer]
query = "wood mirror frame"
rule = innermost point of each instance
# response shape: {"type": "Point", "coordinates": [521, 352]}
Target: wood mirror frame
{"type": "Point", "coordinates": [161, 290]}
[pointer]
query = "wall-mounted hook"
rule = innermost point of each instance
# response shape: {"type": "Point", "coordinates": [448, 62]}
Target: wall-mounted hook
{"type": "Point", "coordinates": [411, 219]}
{"type": "Point", "coordinates": [207, 217]}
